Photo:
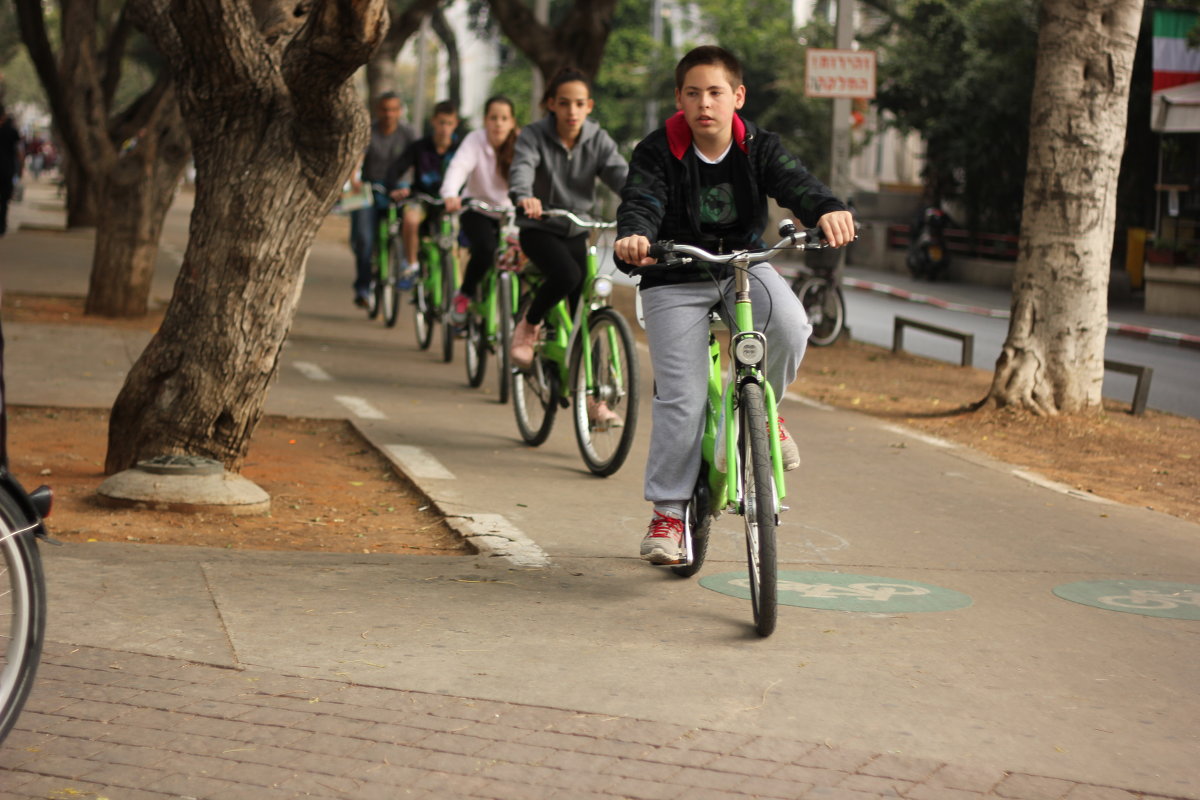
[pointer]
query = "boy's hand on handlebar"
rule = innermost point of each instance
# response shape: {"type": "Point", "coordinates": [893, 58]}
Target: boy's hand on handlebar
{"type": "Point", "coordinates": [532, 207]}
{"type": "Point", "coordinates": [453, 203]}
{"type": "Point", "coordinates": [634, 250]}
{"type": "Point", "coordinates": [838, 227]}
{"type": "Point", "coordinates": [400, 194]}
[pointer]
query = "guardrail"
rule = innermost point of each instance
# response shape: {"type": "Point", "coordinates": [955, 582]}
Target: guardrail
{"type": "Point", "coordinates": [1141, 390]}
{"type": "Point", "coordinates": [967, 339]}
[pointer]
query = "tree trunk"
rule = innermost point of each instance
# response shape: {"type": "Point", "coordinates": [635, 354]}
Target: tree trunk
{"type": "Point", "coordinates": [441, 27]}
{"type": "Point", "coordinates": [1053, 358]}
{"type": "Point", "coordinates": [381, 69]}
{"type": "Point", "coordinates": [291, 130]}
{"type": "Point", "coordinates": [81, 203]}
{"type": "Point", "coordinates": [578, 41]}
{"type": "Point", "coordinates": [137, 190]}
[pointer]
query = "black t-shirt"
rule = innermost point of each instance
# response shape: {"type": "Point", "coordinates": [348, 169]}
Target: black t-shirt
{"type": "Point", "coordinates": [718, 207]}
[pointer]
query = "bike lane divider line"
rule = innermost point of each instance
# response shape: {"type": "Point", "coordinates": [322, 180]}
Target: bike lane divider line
{"type": "Point", "coordinates": [807, 401]}
{"type": "Point", "coordinates": [311, 371]}
{"type": "Point", "coordinates": [418, 462]}
{"type": "Point", "coordinates": [494, 535]}
{"type": "Point", "coordinates": [920, 437]}
{"type": "Point", "coordinates": [359, 407]}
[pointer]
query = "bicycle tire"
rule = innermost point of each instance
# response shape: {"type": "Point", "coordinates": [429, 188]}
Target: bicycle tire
{"type": "Point", "coordinates": [535, 396]}
{"type": "Point", "coordinates": [758, 506]}
{"type": "Point", "coordinates": [390, 301]}
{"type": "Point", "coordinates": [476, 355]}
{"type": "Point", "coordinates": [615, 382]}
{"type": "Point", "coordinates": [422, 313]}
{"type": "Point", "coordinates": [23, 607]}
{"type": "Point", "coordinates": [698, 523]}
{"type": "Point", "coordinates": [504, 324]}
{"type": "Point", "coordinates": [374, 297]}
{"type": "Point", "coordinates": [826, 308]}
{"type": "Point", "coordinates": [449, 285]}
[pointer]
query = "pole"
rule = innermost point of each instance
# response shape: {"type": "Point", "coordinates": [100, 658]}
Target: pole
{"type": "Point", "coordinates": [839, 162]}
{"type": "Point", "coordinates": [418, 106]}
{"type": "Point", "coordinates": [541, 10]}
{"type": "Point", "coordinates": [656, 33]}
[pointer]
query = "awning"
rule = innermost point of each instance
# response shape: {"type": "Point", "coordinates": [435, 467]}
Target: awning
{"type": "Point", "coordinates": [1176, 110]}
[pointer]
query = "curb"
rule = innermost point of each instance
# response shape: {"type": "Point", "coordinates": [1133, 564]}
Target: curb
{"type": "Point", "coordinates": [1121, 329]}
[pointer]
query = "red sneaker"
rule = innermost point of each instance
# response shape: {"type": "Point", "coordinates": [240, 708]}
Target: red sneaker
{"type": "Point", "coordinates": [663, 543]}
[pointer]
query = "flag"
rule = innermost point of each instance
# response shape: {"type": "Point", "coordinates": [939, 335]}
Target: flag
{"type": "Point", "coordinates": [1175, 63]}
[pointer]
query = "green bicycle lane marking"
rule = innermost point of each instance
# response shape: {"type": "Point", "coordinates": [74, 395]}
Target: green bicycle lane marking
{"type": "Point", "coordinates": [838, 591]}
{"type": "Point", "coordinates": [1148, 598]}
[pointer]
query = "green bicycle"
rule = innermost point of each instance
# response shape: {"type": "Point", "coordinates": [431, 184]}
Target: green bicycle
{"type": "Point", "coordinates": [383, 296]}
{"type": "Point", "coordinates": [741, 469]}
{"type": "Point", "coordinates": [434, 289]}
{"type": "Point", "coordinates": [491, 315]}
{"type": "Point", "coordinates": [587, 363]}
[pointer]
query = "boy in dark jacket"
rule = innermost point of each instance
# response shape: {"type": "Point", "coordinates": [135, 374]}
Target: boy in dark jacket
{"type": "Point", "coordinates": [703, 179]}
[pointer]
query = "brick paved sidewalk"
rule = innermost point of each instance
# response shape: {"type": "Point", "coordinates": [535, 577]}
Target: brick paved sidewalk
{"type": "Point", "coordinates": [108, 724]}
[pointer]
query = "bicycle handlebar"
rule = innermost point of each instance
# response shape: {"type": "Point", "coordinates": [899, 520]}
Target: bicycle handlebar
{"type": "Point", "coordinates": [571, 215]}
{"type": "Point", "coordinates": [811, 239]}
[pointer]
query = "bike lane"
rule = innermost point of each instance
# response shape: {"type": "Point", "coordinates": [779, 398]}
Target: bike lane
{"type": "Point", "coordinates": [1019, 680]}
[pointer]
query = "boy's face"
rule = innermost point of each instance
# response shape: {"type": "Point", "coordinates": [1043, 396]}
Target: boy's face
{"type": "Point", "coordinates": [443, 128]}
{"type": "Point", "coordinates": [388, 112]}
{"type": "Point", "coordinates": [708, 100]}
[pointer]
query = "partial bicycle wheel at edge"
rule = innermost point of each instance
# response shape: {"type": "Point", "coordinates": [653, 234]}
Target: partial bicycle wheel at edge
{"type": "Point", "coordinates": [449, 287]}
{"type": "Point", "coordinates": [535, 394]}
{"type": "Point", "coordinates": [698, 519]}
{"type": "Point", "coordinates": [604, 440]}
{"type": "Point", "coordinates": [22, 612]}
{"type": "Point", "coordinates": [477, 350]}
{"type": "Point", "coordinates": [422, 315]}
{"type": "Point", "coordinates": [505, 323]}
{"type": "Point", "coordinates": [758, 505]}
{"type": "Point", "coordinates": [826, 308]}
{"type": "Point", "coordinates": [390, 300]}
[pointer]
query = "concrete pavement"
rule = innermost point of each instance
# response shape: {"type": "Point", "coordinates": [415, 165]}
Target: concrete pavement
{"type": "Point", "coordinates": [204, 673]}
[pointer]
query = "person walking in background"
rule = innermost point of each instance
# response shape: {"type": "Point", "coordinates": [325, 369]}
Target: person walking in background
{"type": "Point", "coordinates": [426, 159]}
{"type": "Point", "coordinates": [556, 164]}
{"type": "Point", "coordinates": [11, 162]}
{"type": "Point", "coordinates": [479, 170]}
{"type": "Point", "coordinates": [389, 138]}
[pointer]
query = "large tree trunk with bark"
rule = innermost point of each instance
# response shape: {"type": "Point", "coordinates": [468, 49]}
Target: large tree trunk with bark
{"type": "Point", "coordinates": [1053, 358]}
{"type": "Point", "coordinates": [578, 41]}
{"type": "Point", "coordinates": [125, 196]}
{"type": "Point", "coordinates": [276, 128]}
{"type": "Point", "coordinates": [138, 190]}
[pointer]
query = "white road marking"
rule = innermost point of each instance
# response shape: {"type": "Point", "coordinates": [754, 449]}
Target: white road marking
{"type": "Point", "coordinates": [360, 408]}
{"type": "Point", "coordinates": [1046, 483]}
{"type": "Point", "coordinates": [920, 437]}
{"type": "Point", "coordinates": [494, 535]}
{"type": "Point", "coordinates": [311, 371]}
{"type": "Point", "coordinates": [418, 463]}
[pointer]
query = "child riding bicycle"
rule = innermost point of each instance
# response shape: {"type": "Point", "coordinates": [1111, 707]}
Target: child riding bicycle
{"type": "Point", "coordinates": [479, 170]}
{"type": "Point", "coordinates": [556, 164]}
{"type": "Point", "coordinates": [703, 179]}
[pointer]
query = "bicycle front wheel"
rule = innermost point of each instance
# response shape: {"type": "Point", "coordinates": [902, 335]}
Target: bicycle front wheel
{"type": "Point", "coordinates": [22, 612]}
{"type": "Point", "coordinates": [505, 323]}
{"type": "Point", "coordinates": [826, 309]}
{"type": "Point", "coordinates": [606, 400]}
{"type": "Point", "coordinates": [422, 306]}
{"type": "Point", "coordinates": [758, 505]}
{"type": "Point", "coordinates": [389, 302]}
{"type": "Point", "coordinates": [449, 286]}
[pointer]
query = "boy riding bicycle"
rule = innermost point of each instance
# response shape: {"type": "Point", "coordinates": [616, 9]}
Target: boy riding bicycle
{"type": "Point", "coordinates": [703, 179]}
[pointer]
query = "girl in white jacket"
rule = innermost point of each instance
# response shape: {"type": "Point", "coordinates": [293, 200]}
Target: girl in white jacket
{"type": "Point", "coordinates": [479, 170]}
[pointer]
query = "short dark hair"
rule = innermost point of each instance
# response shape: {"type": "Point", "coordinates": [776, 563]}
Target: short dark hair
{"type": "Point", "coordinates": [445, 107]}
{"type": "Point", "coordinates": [387, 96]}
{"type": "Point", "coordinates": [709, 54]}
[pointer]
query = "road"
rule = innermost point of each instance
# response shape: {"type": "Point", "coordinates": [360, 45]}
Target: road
{"type": "Point", "coordinates": [1175, 386]}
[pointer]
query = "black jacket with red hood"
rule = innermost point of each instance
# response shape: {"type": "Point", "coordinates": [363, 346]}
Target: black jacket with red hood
{"type": "Point", "coordinates": [661, 199]}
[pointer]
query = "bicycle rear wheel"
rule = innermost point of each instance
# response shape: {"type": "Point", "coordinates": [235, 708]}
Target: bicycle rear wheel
{"type": "Point", "coordinates": [504, 329]}
{"type": "Point", "coordinates": [603, 444]}
{"type": "Point", "coordinates": [758, 505]}
{"type": "Point", "coordinates": [22, 611]}
{"type": "Point", "coordinates": [535, 394]}
{"type": "Point", "coordinates": [449, 285]}
{"type": "Point", "coordinates": [390, 300]}
{"type": "Point", "coordinates": [477, 347]}
{"type": "Point", "coordinates": [826, 308]}
{"type": "Point", "coordinates": [697, 521]}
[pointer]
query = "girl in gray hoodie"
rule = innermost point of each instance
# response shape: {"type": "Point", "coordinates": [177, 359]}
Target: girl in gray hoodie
{"type": "Point", "coordinates": [556, 163]}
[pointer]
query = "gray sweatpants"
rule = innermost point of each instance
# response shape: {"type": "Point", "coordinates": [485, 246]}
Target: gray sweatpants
{"type": "Point", "coordinates": [676, 319]}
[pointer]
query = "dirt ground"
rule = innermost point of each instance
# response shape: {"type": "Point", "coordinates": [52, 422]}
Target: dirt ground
{"type": "Point", "coordinates": [332, 492]}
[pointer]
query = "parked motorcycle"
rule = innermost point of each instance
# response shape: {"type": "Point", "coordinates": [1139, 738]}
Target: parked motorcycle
{"type": "Point", "coordinates": [928, 257]}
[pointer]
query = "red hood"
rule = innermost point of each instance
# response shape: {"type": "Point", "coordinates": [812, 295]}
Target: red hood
{"type": "Point", "coordinates": [679, 135]}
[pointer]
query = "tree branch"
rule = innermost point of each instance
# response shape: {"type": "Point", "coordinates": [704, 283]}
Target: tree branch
{"type": "Point", "coordinates": [114, 54]}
